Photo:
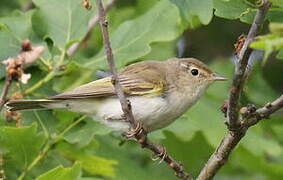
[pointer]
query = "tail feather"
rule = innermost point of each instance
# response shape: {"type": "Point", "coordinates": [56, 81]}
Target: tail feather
{"type": "Point", "coordinates": [16, 105]}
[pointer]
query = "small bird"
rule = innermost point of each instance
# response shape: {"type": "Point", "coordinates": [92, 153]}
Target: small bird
{"type": "Point", "coordinates": [159, 93]}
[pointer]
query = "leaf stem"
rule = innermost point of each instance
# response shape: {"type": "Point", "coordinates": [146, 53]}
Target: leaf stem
{"type": "Point", "coordinates": [40, 83]}
{"type": "Point", "coordinates": [46, 63]}
{"type": "Point", "coordinates": [60, 136]}
{"type": "Point", "coordinates": [48, 77]}
{"type": "Point", "coordinates": [46, 148]}
{"type": "Point", "coordinates": [46, 133]}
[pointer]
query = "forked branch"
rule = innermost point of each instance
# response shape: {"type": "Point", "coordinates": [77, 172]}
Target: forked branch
{"type": "Point", "coordinates": [237, 127]}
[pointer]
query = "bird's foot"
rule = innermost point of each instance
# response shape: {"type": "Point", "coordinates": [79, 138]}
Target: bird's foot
{"type": "Point", "coordinates": [162, 154]}
{"type": "Point", "coordinates": [133, 133]}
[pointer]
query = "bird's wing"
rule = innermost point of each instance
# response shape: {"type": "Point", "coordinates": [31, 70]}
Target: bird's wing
{"type": "Point", "coordinates": [145, 80]}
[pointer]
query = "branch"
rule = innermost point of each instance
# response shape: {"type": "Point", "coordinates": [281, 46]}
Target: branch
{"type": "Point", "coordinates": [141, 136]}
{"type": "Point", "coordinates": [237, 128]}
{"type": "Point", "coordinates": [232, 138]}
{"type": "Point", "coordinates": [241, 66]}
{"type": "Point", "coordinates": [5, 91]}
{"type": "Point", "coordinates": [91, 24]}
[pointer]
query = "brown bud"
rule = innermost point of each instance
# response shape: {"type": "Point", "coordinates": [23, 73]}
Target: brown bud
{"type": "Point", "coordinates": [26, 45]}
{"type": "Point", "coordinates": [14, 116]}
{"type": "Point", "coordinates": [224, 108]}
{"type": "Point", "coordinates": [87, 4]}
{"type": "Point", "coordinates": [240, 43]}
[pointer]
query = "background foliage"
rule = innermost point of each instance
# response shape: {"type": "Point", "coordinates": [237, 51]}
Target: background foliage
{"type": "Point", "coordinates": [63, 145]}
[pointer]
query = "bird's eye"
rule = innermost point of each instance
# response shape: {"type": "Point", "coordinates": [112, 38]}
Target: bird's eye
{"type": "Point", "coordinates": [194, 72]}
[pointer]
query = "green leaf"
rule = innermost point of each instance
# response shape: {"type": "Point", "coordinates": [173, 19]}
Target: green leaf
{"type": "Point", "coordinates": [257, 164]}
{"type": "Point", "coordinates": [133, 161]}
{"type": "Point", "coordinates": [234, 9]}
{"type": "Point", "coordinates": [276, 27]}
{"type": "Point", "coordinates": [19, 147]}
{"type": "Point", "coordinates": [195, 10]}
{"type": "Point", "coordinates": [254, 91]}
{"type": "Point", "coordinates": [280, 54]}
{"type": "Point", "coordinates": [161, 51]}
{"type": "Point", "coordinates": [71, 80]}
{"type": "Point", "coordinates": [271, 42]}
{"type": "Point", "coordinates": [64, 21]}
{"type": "Point", "coordinates": [132, 39]}
{"type": "Point", "coordinates": [61, 173]}
{"type": "Point", "coordinates": [90, 163]}
{"type": "Point", "coordinates": [277, 2]}
{"type": "Point", "coordinates": [196, 151]}
{"type": "Point", "coordinates": [268, 43]}
{"type": "Point", "coordinates": [275, 16]}
{"type": "Point", "coordinates": [13, 30]}
{"type": "Point", "coordinates": [83, 135]}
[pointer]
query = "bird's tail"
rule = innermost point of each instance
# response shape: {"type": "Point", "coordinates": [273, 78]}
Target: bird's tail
{"type": "Point", "coordinates": [16, 105]}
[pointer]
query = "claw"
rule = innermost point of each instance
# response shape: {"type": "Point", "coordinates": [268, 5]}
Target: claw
{"type": "Point", "coordinates": [161, 155]}
{"type": "Point", "coordinates": [134, 132]}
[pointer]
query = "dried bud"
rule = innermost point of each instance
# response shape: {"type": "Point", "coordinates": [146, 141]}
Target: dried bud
{"type": "Point", "coordinates": [87, 4]}
{"type": "Point", "coordinates": [14, 68]}
{"type": "Point", "coordinates": [224, 108]}
{"type": "Point", "coordinates": [17, 96]}
{"type": "Point", "coordinates": [26, 45]}
{"type": "Point", "coordinates": [240, 43]}
{"type": "Point", "coordinates": [13, 116]}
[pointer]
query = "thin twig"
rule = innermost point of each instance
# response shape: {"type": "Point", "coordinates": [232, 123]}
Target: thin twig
{"type": "Point", "coordinates": [5, 91]}
{"type": "Point", "coordinates": [237, 128]}
{"type": "Point", "coordinates": [141, 137]}
{"type": "Point", "coordinates": [91, 24]}
{"type": "Point", "coordinates": [126, 107]}
{"type": "Point", "coordinates": [241, 66]}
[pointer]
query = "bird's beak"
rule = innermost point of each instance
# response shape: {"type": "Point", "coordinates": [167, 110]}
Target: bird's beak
{"type": "Point", "coordinates": [219, 78]}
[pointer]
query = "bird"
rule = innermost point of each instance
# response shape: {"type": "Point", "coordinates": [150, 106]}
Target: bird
{"type": "Point", "coordinates": [159, 93]}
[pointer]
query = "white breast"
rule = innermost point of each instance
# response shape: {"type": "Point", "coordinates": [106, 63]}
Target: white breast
{"type": "Point", "coordinates": [153, 112]}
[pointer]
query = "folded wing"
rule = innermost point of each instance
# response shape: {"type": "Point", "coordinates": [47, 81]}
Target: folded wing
{"type": "Point", "coordinates": [146, 79]}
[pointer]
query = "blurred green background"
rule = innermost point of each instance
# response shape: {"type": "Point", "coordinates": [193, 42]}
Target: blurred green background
{"type": "Point", "coordinates": [44, 146]}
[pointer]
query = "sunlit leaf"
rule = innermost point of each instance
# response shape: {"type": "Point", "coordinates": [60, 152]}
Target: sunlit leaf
{"type": "Point", "coordinates": [90, 163]}
{"type": "Point", "coordinates": [268, 43]}
{"type": "Point", "coordinates": [62, 173]}
{"type": "Point", "coordinates": [234, 9]}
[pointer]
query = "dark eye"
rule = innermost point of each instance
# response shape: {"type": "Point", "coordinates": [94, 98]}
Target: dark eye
{"type": "Point", "coordinates": [194, 72]}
